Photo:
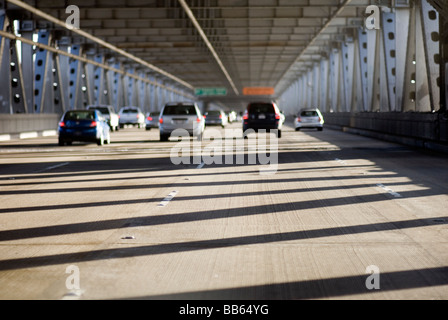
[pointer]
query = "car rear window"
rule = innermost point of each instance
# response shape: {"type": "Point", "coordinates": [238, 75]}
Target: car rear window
{"type": "Point", "coordinates": [214, 113]}
{"type": "Point", "coordinates": [179, 110]}
{"type": "Point", "coordinates": [309, 114]}
{"type": "Point", "coordinates": [86, 115]}
{"type": "Point", "coordinates": [130, 111]}
{"type": "Point", "coordinates": [265, 108]}
{"type": "Point", "coordinates": [103, 110]}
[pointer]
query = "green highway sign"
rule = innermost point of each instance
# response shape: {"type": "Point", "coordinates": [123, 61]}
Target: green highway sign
{"type": "Point", "coordinates": [211, 92]}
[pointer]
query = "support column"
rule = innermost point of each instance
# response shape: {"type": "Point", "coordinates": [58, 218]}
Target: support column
{"type": "Point", "coordinates": [443, 41]}
{"type": "Point", "coordinates": [99, 81]}
{"type": "Point", "coordinates": [27, 32]}
{"type": "Point", "coordinates": [40, 71]}
{"type": "Point", "coordinates": [430, 21]}
{"type": "Point", "coordinates": [74, 77]}
{"type": "Point", "coordinates": [347, 50]}
{"type": "Point", "coordinates": [389, 42]}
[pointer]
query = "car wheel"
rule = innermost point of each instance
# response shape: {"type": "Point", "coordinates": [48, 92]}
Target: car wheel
{"type": "Point", "coordinates": [279, 134]}
{"type": "Point", "coordinates": [61, 143]}
{"type": "Point", "coordinates": [297, 129]}
{"type": "Point", "coordinates": [320, 129]}
{"type": "Point", "coordinates": [164, 137]}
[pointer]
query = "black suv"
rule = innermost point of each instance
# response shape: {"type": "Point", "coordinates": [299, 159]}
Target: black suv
{"type": "Point", "coordinates": [262, 116]}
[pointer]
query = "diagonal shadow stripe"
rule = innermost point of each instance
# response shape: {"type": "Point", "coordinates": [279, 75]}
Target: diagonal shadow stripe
{"type": "Point", "coordinates": [175, 218]}
{"type": "Point", "coordinates": [320, 288]}
{"type": "Point", "coordinates": [120, 253]}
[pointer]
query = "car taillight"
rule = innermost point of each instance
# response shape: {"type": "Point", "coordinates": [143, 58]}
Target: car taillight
{"type": "Point", "coordinates": [299, 119]}
{"type": "Point", "coordinates": [62, 124]}
{"type": "Point", "coordinates": [149, 119]}
{"type": "Point", "coordinates": [246, 116]}
{"type": "Point", "coordinates": [198, 120]}
{"type": "Point", "coordinates": [93, 124]}
{"type": "Point", "coordinates": [277, 116]}
{"type": "Point", "coordinates": [320, 119]}
{"type": "Point", "coordinates": [161, 120]}
{"type": "Point", "coordinates": [220, 116]}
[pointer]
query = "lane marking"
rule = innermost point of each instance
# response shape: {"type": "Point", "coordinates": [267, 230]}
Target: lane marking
{"type": "Point", "coordinates": [390, 191]}
{"type": "Point", "coordinates": [52, 167]}
{"type": "Point", "coordinates": [168, 199]}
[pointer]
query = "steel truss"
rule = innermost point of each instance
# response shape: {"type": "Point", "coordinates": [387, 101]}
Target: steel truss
{"type": "Point", "coordinates": [394, 69]}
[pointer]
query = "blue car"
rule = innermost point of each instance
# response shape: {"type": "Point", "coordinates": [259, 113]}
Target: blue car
{"type": "Point", "coordinates": [84, 126]}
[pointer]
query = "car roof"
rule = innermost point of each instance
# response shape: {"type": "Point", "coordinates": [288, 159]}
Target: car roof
{"type": "Point", "coordinates": [180, 104]}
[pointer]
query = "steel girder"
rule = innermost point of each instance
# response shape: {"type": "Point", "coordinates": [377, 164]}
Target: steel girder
{"type": "Point", "coordinates": [393, 69]}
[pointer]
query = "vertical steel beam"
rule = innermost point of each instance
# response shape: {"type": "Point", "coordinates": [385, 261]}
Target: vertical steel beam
{"type": "Point", "coordinates": [18, 100]}
{"type": "Point", "coordinates": [89, 83]}
{"type": "Point", "coordinates": [323, 97]}
{"type": "Point", "coordinates": [334, 80]}
{"type": "Point", "coordinates": [27, 32]}
{"type": "Point", "coordinates": [348, 52]}
{"type": "Point", "coordinates": [443, 36]}
{"type": "Point", "coordinates": [380, 100]}
{"type": "Point", "coordinates": [422, 93]}
{"type": "Point", "coordinates": [4, 67]}
{"type": "Point", "coordinates": [358, 103]}
{"type": "Point", "coordinates": [364, 60]}
{"type": "Point", "coordinates": [316, 85]}
{"type": "Point", "coordinates": [74, 77]}
{"type": "Point", "coordinates": [59, 98]}
{"type": "Point", "coordinates": [117, 88]}
{"type": "Point", "coordinates": [390, 52]}
{"type": "Point", "coordinates": [430, 19]}
{"type": "Point", "coordinates": [98, 81]}
{"type": "Point", "coordinates": [402, 18]}
{"type": "Point", "coordinates": [40, 71]}
{"type": "Point", "coordinates": [130, 88]}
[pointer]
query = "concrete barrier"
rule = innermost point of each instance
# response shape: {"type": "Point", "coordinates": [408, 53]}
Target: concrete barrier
{"type": "Point", "coordinates": [425, 130]}
{"type": "Point", "coordinates": [25, 126]}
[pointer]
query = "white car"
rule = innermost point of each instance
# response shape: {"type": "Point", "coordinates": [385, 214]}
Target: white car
{"type": "Point", "coordinates": [109, 114]}
{"type": "Point", "coordinates": [132, 116]}
{"type": "Point", "coordinates": [309, 118]}
{"type": "Point", "coordinates": [186, 116]}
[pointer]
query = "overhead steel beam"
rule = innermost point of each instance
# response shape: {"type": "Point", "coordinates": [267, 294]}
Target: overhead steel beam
{"type": "Point", "coordinates": [208, 43]}
{"type": "Point", "coordinates": [315, 37]}
{"type": "Point", "coordinates": [99, 41]}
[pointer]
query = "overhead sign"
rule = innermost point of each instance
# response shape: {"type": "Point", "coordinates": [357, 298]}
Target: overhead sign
{"type": "Point", "coordinates": [211, 92]}
{"type": "Point", "coordinates": [258, 91]}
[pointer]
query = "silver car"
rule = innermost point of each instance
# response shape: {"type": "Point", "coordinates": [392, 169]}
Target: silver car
{"type": "Point", "coordinates": [186, 116]}
{"type": "Point", "coordinates": [309, 118]}
{"type": "Point", "coordinates": [131, 116]}
{"type": "Point", "coordinates": [152, 120]}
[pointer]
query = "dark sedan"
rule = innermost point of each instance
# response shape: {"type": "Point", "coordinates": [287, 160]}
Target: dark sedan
{"type": "Point", "coordinates": [84, 126]}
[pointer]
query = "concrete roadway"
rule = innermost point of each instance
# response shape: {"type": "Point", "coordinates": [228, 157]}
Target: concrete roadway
{"type": "Point", "coordinates": [132, 225]}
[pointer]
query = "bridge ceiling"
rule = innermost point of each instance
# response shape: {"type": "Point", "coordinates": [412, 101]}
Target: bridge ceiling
{"type": "Point", "coordinates": [258, 41]}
